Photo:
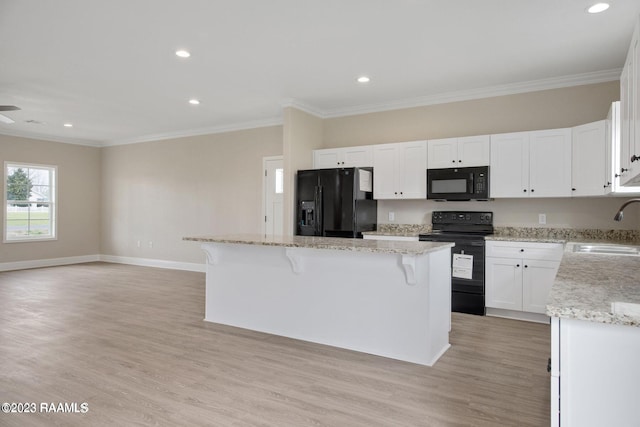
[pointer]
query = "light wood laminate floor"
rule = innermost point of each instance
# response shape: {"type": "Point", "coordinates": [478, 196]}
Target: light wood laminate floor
{"type": "Point", "coordinates": [130, 341]}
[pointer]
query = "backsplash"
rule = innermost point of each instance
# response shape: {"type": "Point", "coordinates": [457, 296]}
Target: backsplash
{"type": "Point", "coordinates": [568, 233]}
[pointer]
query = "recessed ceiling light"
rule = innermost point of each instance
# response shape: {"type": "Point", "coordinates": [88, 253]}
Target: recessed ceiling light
{"type": "Point", "coordinates": [598, 7]}
{"type": "Point", "coordinates": [183, 53]}
{"type": "Point", "coordinates": [194, 102]}
{"type": "Point", "coordinates": [68, 125]}
{"type": "Point", "coordinates": [363, 79]}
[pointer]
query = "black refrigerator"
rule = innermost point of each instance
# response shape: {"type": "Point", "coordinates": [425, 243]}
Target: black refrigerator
{"type": "Point", "coordinates": [335, 202]}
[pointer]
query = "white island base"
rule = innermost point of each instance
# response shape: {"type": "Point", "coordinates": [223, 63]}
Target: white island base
{"type": "Point", "coordinates": [396, 305]}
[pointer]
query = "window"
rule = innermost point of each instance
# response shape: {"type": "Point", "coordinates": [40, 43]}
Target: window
{"type": "Point", "coordinates": [30, 197]}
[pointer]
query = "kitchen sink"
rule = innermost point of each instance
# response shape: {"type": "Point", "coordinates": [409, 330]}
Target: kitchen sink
{"type": "Point", "coordinates": [606, 249]}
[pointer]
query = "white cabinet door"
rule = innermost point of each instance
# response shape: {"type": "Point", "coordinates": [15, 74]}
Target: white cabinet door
{"type": "Point", "coordinates": [503, 283]}
{"type": "Point", "coordinates": [412, 170]}
{"type": "Point", "coordinates": [357, 157]}
{"type": "Point", "coordinates": [464, 152]}
{"type": "Point", "coordinates": [509, 166]}
{"type": "Point", "coordinates": [537, 280]}
{"type": "Point", "coordinates": [442, 153]}
{"type": "Point", "coordinates": [325, 159]}
{"type": "Point", "coordinates": [625, 123]}
{"type": "Point", "coordinates": [348, 157]}
{"type": "Point", "coordinates": [385, 168]}
{"type": "Point", "coordinates": [588, 169]}
{"type": "Point", "coordinates": [400, 170]}
{"type": "Point", "coordinates": [630, 112]}
{"type": "Point", "coordinates": [550, 163]}
{"type": "Point", "coordinates": [474, 151]}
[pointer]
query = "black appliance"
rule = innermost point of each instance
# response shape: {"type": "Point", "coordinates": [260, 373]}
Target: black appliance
{"type": "Point", "coordinates": [335, 202]}
{"type": "Point", "coordinates": [458, 183]}
{"type": "Point", "coordinates": [467, 230]}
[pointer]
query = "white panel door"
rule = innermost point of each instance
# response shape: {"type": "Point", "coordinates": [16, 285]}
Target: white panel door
{"type": "Point", "coordinates": [474, 151]}
{"type": "Point", "coordinates": [550, 163]}
{"type": "Point", "coordinates": [413, 170]}
{"type": "Point", "coordinates": [588, 159]}
{"type": "Point", "coordinates": [503, 283]}
{"type": "Point", "coordinates": [509, 166]}
{"type": "Point", "coordinates": [385, 171]}
{"type": "Point", "coordinates": [442, 153]}
{"type": "Point", "coordinates": [537, 279]}
{"type": "Point", "coordinates": [273, 191]}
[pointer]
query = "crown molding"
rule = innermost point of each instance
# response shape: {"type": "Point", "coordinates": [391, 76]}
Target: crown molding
{"type": "Point", "coordinates": [197, 132]}
{"type": "Point", "coordinates": [309, 109]}
{"type": "Point", "coordinates": [51, 138]}
{"type": "Point", "coordinates": [487, 92]}
{"type": "Point", "coordinates": [442, 98]}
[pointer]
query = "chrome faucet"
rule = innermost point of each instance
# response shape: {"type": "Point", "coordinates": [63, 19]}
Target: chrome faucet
{"type": "Point", "coordinates": [619, 215]}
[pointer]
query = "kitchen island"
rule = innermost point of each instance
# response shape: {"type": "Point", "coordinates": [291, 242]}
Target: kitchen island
{"type": "Point", "coordinates": [387, 298]}
{"type": "Point", "coordinates": [595, 339]}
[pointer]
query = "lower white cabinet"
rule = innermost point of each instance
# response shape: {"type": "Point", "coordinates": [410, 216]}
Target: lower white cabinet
{"type": "Point", "coordinates": [594, 374]}
{"type": "Point", "coordinates": [519, 275]}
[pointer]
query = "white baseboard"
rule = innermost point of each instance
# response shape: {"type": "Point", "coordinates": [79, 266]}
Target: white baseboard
{"type": "Point", "coordinates": [39, 263]}
{"type": "Point", "coordinates": [144, 262]}
{"type": "Point", "coordinates": [157, 263]}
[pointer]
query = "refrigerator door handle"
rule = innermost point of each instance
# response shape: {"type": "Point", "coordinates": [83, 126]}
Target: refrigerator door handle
{"type": "Point", "coordinates": [319, 210]}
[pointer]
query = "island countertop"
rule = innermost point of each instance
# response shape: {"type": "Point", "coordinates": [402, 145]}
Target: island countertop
{"type": "Point", "coordinates": [587, 284]}
{"type": "Point", "coordinates": [331, 243]}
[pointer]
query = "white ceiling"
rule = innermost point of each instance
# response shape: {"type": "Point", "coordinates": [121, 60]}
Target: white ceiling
{"type": "Point", "coordinates": [108, 66]}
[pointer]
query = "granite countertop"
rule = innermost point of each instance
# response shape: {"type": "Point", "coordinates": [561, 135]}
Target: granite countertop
{"type": "Point", "coordinates": [587, 284]}
{"type": "Point", "coordinates": [331, 243]}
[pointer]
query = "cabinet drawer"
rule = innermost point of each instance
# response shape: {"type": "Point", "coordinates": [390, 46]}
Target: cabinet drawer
{"type": "Point", "coordinates": [529, 250]}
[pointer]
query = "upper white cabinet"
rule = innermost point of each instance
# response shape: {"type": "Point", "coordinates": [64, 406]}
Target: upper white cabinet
{"type": "Point", "coordinates": [531, 164]}
{"type": "Point", "coordinates": [630, 113]}
{"type": "Point", "coordinates": [463, 152]}
{"type": "Point", "coordinates": [343, 157]}
{"type": "Point", "coordinates": [588, 170]}
{"type": "Point", "coordinates": [400, 170]}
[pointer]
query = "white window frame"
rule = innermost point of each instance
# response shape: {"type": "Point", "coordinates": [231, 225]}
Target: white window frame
{"type": "Point", "coordinates": [53, 203]}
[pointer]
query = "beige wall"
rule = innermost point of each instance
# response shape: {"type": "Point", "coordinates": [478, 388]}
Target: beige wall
{"type": "Point", "coordinates": [302, 134]}
{"type": "Point", "coordinates": [547, 109]}
{"type": "Point", "coordinates": [162, 191]}
{"type": "Point", "coordinates": [78, 198]}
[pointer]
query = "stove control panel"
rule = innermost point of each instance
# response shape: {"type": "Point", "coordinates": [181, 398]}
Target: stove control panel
{"type": "Point", "coordinates": [458, 217]}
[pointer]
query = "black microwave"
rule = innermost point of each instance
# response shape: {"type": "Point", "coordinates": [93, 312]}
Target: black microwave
{"type": "Point", "coordinates": [458, 183]}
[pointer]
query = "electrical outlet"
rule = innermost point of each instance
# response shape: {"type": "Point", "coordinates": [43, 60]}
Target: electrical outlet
{"type": "Point", "coordinates": [392, 216]}
{"type": "Point", "coordinates": [150, 244]}
{"type": "Point", "coordinates": [542, 218]}
{"type": "Point", "coordinates": [139, 243]}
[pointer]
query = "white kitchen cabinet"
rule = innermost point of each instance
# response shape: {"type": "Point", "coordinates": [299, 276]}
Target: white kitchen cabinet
{"type": "Point", "coordinates": [531, 164]}
{"type": "Point", "coordinates": [469, 151]}
{"type": "Point", "coordinates": [588, 170]}
{"type": "Point", "coordinates": [400, 170]}
{"type": "Point", "coordinates": [594, 373]}
{"type": "Point", "coordinates": [346, 157]}
{"type": "Point", "coordinates": [630, 112]}
{"type": "Point", "coordinates": [519, 275]}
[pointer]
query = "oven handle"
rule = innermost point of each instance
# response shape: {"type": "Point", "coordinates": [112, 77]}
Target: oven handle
{"type": "Point", "coordinates": [477, 243]}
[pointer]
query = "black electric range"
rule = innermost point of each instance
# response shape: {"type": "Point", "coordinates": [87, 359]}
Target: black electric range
{"type": "Point", "coordinates": [467, 230]}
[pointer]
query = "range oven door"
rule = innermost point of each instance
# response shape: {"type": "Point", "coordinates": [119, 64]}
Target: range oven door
{"type": "Point", "coordinates": [467, 295]}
